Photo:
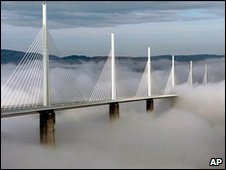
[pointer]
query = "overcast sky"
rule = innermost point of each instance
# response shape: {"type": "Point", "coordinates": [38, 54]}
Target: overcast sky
{"type": "Point", "coordinates": [84, 27]}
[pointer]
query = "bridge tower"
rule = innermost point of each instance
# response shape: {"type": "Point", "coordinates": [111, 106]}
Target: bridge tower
{"type": "Point", "coordinates": [47, 118]}
{"type": "Point", "coordinates": [149, 102]}
{"type": "Point", "coordinates": [190, 74]}
{"type": "Point", "coordinates": [46, 80]}
{"type": "Point", "coordinates": [113, 83]}
{"type": "Point", "coordinates": [114, 107]}
{"type": "Point", "coordinates": [205, 79]}
{"type": "Point", "coordinates": [173, 72]}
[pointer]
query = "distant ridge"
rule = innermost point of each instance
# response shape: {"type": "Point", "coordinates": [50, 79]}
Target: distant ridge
{"type": "Point", "coordinates": [12, 56]}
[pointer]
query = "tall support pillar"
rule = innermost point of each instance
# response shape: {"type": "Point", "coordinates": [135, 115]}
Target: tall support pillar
{"type": "Point", "coordinates": [47, 127]}
{"type": "Point", "coordinates": [47, 118]}
{"type": "Point", "coordinates": [173, 72]}
{"type": "Point", "coordinates": [149, 102]}
{"type": "Point", "coordinates": [149, 72]}
{"type": "Point", "coordinates": [114, 111]}
{"type": "Point", "coordinates": [113, 83]}
{"type": "Point", "coordinates": [46, 80]}
{"type": "Point", "coordinates": [149, 105]}
{"type": "Point", "coordinates": [114, 107]}
{"type": "Point", "coordinates": [190, 74]}
{"type": "Point", "coordinates": [205, 79]}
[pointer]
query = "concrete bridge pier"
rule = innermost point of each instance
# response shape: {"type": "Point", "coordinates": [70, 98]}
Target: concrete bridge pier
{"type": "Point", "coordinates": [149, 105]}
{"type": "Point", "coordinates": [47, 127]}
{"type": "Point", "coordinates": [114, 111]}
{"type": "Point", "coordinates": [173, 102]}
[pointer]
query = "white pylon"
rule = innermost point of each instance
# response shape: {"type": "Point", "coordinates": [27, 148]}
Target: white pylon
{"type": "Point", "coordinates": [205, 79]}
{"type": "Point", "coordinates": [149, 71]}
{"type": "Point", "coordinates": [190, 74]}
{"type": "Point", "coordinates": [46, 81]}
{"type": "Point", "coordinates": [113, 86]}
{"type": "Point", "coordinates": [173, 79]}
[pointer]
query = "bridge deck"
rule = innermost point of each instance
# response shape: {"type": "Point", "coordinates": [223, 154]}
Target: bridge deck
{"type": "Point", "coordinates": [63, 106]}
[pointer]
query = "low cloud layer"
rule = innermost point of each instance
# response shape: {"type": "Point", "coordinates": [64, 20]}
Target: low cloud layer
{"type": "Point", "coordinates": [181, 137]}
{"type": "Point", "coordinates": [185, 133]}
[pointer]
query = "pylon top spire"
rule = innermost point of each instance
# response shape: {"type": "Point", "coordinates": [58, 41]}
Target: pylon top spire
{"type": "Point", "coordinates": [44, 14]}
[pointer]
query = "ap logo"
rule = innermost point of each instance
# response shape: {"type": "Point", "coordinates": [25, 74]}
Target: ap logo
{"type": "Point", "coordinates": [216, 161]}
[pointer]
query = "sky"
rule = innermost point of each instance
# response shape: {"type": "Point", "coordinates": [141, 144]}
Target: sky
{"type": "Point", "coordinates": [84, 27]}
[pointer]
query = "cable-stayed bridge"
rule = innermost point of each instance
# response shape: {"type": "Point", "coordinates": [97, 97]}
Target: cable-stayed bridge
{"type": "Point", "coordinates": [29, 88]}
